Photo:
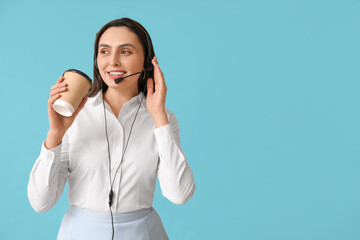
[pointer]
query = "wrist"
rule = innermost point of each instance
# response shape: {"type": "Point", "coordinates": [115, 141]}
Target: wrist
{"type": "Point", "coordinates": [53, 139]}
{"type": "Point", "coordinates": [160, 113]}
{"type": "Point", "coordinates": [55, 134]}
{"type": "Point", "coordinates": [160, 119]}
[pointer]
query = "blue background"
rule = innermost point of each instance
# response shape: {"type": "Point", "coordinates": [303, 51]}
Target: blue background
{"type": "Point", "coordinates": [266, 94]}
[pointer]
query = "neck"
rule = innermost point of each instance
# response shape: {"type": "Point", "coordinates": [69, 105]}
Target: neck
{"type": "Point", "coordinates": [116, 98]}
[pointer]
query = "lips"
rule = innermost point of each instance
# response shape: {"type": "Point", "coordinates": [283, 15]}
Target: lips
{"type": "Point", "coordinates": [116, 74]}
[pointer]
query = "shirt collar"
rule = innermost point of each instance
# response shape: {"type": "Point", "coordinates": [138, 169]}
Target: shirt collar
{"type": "Point", "coordinates": [98, 98]}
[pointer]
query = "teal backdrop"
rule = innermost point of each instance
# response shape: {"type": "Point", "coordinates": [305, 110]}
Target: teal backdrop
{"type": "Point", "coordinates": [266, 94]}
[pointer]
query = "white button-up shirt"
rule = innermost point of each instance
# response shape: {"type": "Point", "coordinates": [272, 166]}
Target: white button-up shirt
{"type": "Point", "coordinates": [82, 160]}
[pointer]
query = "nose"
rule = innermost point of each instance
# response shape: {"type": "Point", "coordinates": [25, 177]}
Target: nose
{"type": "Point", "coordinates": [115, 59]}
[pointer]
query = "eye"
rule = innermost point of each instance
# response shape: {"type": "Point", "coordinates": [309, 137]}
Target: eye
{"type": "Point", "coordinates": [103, 51]}
{"type": "Point", "coordinates": [126, 52]}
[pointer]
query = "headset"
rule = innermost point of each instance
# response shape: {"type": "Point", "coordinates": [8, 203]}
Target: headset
{"type": "Point", "coordinates": [144, 75]}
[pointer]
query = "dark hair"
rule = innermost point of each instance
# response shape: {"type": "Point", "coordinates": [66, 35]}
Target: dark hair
{"type": "Point", "coordinates": [146, 43]}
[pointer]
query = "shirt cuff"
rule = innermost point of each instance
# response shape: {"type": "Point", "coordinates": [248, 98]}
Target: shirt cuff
{"type": "Point", "coordinates": [50, 154]}
{"type": "Point", "coordinates": [164, 134]}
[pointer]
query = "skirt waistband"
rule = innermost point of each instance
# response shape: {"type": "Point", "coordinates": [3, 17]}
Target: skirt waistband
{"type": "Point", "coordinates": [106, 217]}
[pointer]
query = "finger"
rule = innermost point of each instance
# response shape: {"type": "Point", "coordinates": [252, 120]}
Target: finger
{"type": "Point", "coordinates": [157, 67]}
{"type": "Point", "coordinates": [60, 79]}
{"type": "Point", "coordinates": [150, 86]}
{"type": "Point", "coordinates": [58, 90]}
{"type": "Point", "coordinates": [53, 99]}
{"type": "Point", "coordinates": [157, 63]}
{"type": "Point", "coordinates": [159, 79]}
{"type": "Point", "coordinates": [59, 85]}
{"type": "Point", "coordinates": [157, 72]}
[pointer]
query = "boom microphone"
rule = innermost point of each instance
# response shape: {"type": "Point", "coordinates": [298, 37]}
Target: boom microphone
{"type": "Point", "coordinates": [122, 78]}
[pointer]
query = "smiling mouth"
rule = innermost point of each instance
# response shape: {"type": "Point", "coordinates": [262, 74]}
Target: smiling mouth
{"type": "Point", "coordinates": [116, 75]}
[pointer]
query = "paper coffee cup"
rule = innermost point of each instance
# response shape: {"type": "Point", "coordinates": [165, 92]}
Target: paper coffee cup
{"type": "Point", "coordinates": [78, 85]}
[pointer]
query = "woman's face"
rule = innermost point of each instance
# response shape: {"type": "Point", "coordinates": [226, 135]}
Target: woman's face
{"type": "Point", "coordinates": [120, 54]}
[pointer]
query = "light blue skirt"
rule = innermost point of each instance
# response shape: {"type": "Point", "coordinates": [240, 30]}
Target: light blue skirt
{"type": "Point", "coordinates": [81, 224]}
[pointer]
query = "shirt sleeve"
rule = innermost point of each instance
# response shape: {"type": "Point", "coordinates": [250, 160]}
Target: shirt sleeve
{"type": "Point", "coordinates": [48, 176]}
{"type": "Point", "coordinates": [175, 175]}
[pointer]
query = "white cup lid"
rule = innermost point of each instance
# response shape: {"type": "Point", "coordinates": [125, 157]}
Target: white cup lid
{"type": "Point", "coordinates": [63, 108]}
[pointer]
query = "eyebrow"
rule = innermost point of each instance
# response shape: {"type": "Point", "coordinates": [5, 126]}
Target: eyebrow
{"type": "Point", "coordinates": [122, 45]}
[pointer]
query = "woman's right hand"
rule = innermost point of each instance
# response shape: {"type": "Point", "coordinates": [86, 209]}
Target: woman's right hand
{"type": "Point", "coordinates": [59, 124]}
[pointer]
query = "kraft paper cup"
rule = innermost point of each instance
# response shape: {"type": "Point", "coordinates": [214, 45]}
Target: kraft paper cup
{"type": "Point", "coordinates": [78, 86]}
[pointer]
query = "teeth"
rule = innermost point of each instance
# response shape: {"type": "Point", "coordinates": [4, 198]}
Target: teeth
{"type": "Point", "coordinates": [116, 73]}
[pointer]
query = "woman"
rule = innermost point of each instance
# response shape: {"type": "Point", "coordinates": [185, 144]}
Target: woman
{"type": "Point", "coordinates": [114, 145]}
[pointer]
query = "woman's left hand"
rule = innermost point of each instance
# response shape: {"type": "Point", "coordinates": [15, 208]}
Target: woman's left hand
{"type": "Point", "coordinates": [155, 101]}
